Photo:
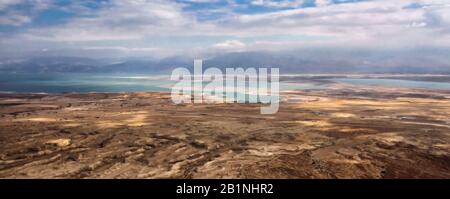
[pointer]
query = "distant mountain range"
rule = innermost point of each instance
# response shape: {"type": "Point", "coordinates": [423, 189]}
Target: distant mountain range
{"type": "Point", "coordinates": [288, 62]}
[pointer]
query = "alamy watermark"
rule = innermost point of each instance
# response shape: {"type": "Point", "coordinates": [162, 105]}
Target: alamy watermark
{"type": "Point", "coordinates": [237, 85]}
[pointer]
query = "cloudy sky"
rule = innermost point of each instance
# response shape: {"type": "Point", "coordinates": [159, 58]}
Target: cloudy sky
{"type": "Point", "coordinates": [161, 28]}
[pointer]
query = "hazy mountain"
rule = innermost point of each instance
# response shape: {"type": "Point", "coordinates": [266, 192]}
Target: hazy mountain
{"type": "Point", "coordinates": [288, 63]}
{"type": "Point", "coordinates": [322, 61]}
{"type": "Point", "coordinates": [51, 64]}
{"type": "Point", "coordinates": [305, 61]}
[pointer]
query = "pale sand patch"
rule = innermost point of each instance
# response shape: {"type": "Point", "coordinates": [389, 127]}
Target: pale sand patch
{"type": "Point", "coordinates": [444, 146]}
{"type": "Point", "coordinates": [353, 130]}
{"type": "Point", "coordinates": [13, 100]}
{"type": "Point", "coordinates": [373, 102]}
{"type": "Point", "coordinates": [38, 119]}
{"type": "Point", "coordinates": [39, 105]}
{"type": "Point", "coordinates": [132, 113]}
{"type": "Point", "coordinates": [317, 123]}
{"type": "Point", "coordinates": [419, 100]}
{"type": "Point", "coordinates": [135, 121]}
{"type": "Point", "coordinates": [108, 124]}
{"type": "Point", "coordinates": [59, 142]}
{"type": "Point", "coordinates": [138, 120]}
{"type": "Point", "coordinates": [277, 149]}
{"type": "Point", "coordinates": [350, 161]}
{"type": "Point", "coordinates": [390, 137]}
{"type": "Point", "coordinates": [339, 103]}
{"type": "Point", "coordinates": [322, 103]}
{"type": "Point", "coordinates": [72, 125]}
{"type": "Point", "coordinates": [75, 109]}
{"type": "Point", "coordinates": [343, 115]}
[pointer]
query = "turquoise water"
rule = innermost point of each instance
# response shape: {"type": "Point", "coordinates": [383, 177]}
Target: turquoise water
{"type": "Point", "coordinates": [65, 82]}
{"type": "Point", "coordinates": [59, 83]}
{"type": "Point", "coordinates": [395, 83]}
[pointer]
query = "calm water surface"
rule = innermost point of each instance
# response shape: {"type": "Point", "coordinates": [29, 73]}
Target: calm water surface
{"type": "Point", "coordinates": [60, 83]}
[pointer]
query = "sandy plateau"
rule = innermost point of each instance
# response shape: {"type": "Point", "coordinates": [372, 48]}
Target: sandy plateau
{"type": "Point", "coordinates": [360, 132]}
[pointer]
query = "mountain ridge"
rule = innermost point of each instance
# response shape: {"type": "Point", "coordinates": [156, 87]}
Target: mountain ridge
{"type": "Point", "coordinates": [292, 62]}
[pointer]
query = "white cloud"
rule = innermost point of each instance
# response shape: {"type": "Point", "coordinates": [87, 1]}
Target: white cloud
{"type": "Point", "coordinates": [284, 3]}
{"type": "Point", "coordinates": [14, 19]}
{"type": "Point", "coordinates": [200, 1]}
{"type": "Point", "coordinates": [7, 3]}
{"type": "Point", "coordinates": [321, 3]}
{"type": "Point", "coordinates": [118, 20]}
{"type": "Point", "coordinates": [378, 23]}
{"type": "Point", "coordinates": [230, 45]}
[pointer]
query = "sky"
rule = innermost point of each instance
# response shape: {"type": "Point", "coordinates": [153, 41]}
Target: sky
{"type": "Point", "coordinates": [162, 28]}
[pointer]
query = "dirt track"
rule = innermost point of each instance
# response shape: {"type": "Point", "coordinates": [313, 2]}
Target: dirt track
{"type": "Point", "coordinates": [316, 134]}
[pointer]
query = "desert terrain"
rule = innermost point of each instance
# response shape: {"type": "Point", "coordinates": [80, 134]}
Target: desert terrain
{"type": "Point", "coordinates": [338, 132]}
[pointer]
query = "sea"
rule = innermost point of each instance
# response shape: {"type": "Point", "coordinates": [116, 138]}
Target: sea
{"type": "Point", "coordinates": [87, 82]}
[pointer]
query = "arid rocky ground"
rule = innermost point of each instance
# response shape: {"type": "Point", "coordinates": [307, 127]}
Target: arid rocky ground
{"type": "Point", "coordinates": [341, 132]}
